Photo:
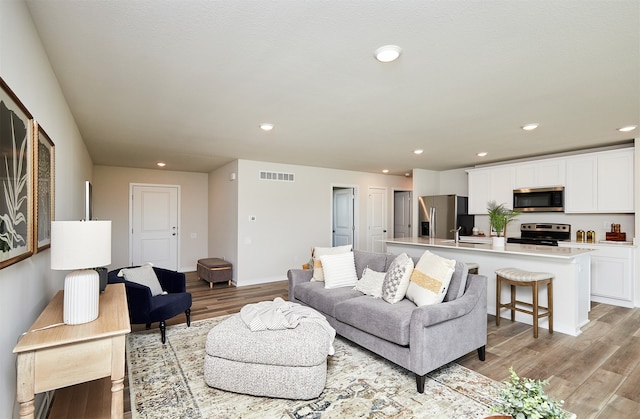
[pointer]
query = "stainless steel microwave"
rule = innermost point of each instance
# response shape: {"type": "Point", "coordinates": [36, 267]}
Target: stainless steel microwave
{"type": "Point", "coordinates": [539, 199]}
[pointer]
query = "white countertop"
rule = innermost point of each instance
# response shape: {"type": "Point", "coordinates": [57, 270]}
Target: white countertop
{"type": "Point", "coordinates": [509, 248]}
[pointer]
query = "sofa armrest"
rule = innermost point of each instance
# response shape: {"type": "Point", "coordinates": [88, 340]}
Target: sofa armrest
{"type": "Point", "coordinates": [437, 313]}
{"type": "Point", "coordinates": [297, 276]}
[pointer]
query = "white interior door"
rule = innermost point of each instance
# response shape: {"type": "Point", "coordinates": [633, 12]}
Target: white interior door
{"type": "Point", "coordinates": [376, 219]}
{"type": "Point", "coordinates": [401, 214]}
{"type": "Point", "coordinates": [343, 219]}
{"type": "Point", "coordinates": [154, 225]}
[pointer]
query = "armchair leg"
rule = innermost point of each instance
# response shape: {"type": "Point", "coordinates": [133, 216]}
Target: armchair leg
{"type": "Point", "coordinates": [148, 326]}
{"type": "Point", "coordinates": [188, 313]}
{"type": "Point", "coordinates": [482, 352]}
{"type": "Point", "coordinates": [420, 381]}
{"type": "Point", "coordinates": [163, 331]}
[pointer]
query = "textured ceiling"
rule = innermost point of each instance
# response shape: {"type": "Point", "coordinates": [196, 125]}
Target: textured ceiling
{"type": "Point", "coordinates": [188, 82]}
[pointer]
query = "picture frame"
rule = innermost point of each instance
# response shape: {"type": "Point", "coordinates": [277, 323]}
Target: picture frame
{"type": "Point", "coordinates": [44, 187]}
{"type": "Point", "coordinates": [16, 178]}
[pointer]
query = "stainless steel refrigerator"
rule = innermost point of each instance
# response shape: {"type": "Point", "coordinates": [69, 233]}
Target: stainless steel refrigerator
{"type": "Point", "coordinates": [440, 215]}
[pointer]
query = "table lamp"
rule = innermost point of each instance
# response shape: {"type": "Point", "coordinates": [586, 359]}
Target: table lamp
{"type": "Point", "coordinates": [80, 246]}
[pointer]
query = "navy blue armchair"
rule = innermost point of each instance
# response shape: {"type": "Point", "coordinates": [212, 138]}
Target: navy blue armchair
{"type": "Point", "coordinates": [146, 309]}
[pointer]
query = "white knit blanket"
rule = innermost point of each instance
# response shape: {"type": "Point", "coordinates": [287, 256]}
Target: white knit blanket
{"type": "Point", "coordinates": [280, 314]}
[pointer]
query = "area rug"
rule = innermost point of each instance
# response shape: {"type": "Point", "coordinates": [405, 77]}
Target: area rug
{"type": "Point", "coordinates": [167, 381]}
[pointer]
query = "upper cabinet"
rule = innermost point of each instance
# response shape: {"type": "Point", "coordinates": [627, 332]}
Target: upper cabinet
{"type": "Point", "coordinates": [543, 173]}
{"type": "Point", "coordinates": [490, 184]}
{"type": "Point", "coordinates": [600, 182]}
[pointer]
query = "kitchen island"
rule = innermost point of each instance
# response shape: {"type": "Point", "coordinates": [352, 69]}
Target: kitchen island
{"type": "Point", "coordinates": [571, 267]}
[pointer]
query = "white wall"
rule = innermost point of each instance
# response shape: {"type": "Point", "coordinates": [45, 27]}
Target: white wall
{"type": "Point", "coordinates": [111, 202]}
{"type": "Point", "coordinates": [223, 214]}
{"type": "Point", "coordinates": [290, 217]}
{"type": "Point", "coordinates": [26, 287]}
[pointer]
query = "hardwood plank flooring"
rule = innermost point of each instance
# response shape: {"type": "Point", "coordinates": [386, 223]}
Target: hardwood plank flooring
{"type": "Point", "coordinates": [597, 374]}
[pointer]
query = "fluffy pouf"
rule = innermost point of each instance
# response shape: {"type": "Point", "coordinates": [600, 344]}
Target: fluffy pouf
{"type": "Point", "coordinates": [288, 364]}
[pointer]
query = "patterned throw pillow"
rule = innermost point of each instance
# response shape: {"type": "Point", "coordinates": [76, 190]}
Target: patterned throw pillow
{"type": "Point", "coordinates": [339, 270]}
{"type": "Point", "coordinates": [318, 272]}
{"type": "Point", "coordinates": [396, 280]}
{"type": "Point", "coordinates": [370, 283]}
{"type": "Point", "coordinates": [430, 279]}
{"type": "Point", "coordinates": [143, 275]}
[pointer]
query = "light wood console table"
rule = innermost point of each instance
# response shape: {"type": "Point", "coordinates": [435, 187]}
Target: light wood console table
{"type": "Point", "coordinates": [66, 355]}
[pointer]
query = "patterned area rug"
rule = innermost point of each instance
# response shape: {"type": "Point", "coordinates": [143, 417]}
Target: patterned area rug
{"type": "Point", "coordinates": [167, 381]}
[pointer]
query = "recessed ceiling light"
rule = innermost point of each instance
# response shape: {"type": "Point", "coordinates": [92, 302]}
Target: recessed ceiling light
{"type": "Point", "coordinates": [161, 164]}
{"type": "Point", "coordinates": [628, 128]}
{"type": "Point", "coordinates": [387, 53]}
{"type": "Point", "coordinates": [530, 127]}
{"type": "Point", "coordinates": [482, 154]}
{"type": "Point", "coordinates": [385, 171]}
{"type": "Point", "coordinates": [418, 151]}
{"type": "Point", "coordinates": [266, 126]}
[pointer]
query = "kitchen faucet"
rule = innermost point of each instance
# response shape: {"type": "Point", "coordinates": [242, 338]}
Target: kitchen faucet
{"type": "Point", "coordinates": [456, 237]}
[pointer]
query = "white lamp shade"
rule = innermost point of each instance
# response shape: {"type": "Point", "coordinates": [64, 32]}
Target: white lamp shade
{"type": "Point", "coordinates": [80, 244]}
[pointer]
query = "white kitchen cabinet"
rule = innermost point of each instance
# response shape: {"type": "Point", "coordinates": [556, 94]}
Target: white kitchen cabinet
{"type": "Point", "coordinates": [541, 173]}
{"type": "Point", "coordinates": [581, 184]}
{"type": "Point", "coordinates": [612, 273]}
{"type": "Point", "coordinates": [490, 184]}
{"type": "Point", "coordinates": [600, 182]}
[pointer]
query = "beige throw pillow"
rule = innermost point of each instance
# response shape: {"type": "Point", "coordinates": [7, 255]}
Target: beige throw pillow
{"type": "Point", "coordinates": [318, 273]}
{"type": "Point", "coordinates": [430, 279]}
{"type": "Point", "coordinates": [143, 275]}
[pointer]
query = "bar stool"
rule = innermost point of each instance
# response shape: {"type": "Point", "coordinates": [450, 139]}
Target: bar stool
{"type": "Point", "coordinates": [472, 267]}
{"type": "Point", "coordinates": [517, 277]}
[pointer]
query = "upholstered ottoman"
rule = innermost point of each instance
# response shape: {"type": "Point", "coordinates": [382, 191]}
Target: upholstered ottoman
{"type": "Point", "coordinates": [215, 270]}
{"type": "Point", "coordinates": [288, 363]}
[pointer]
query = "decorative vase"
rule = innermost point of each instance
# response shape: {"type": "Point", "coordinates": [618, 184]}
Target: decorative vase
{"type": "Point", "coordinates": [497, 241]}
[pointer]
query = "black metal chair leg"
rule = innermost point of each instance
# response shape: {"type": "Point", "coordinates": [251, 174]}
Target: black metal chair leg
{"type": "Point", "coordinates": [163, 331]}
{"type": "Point", "coordinates": [188, 313]}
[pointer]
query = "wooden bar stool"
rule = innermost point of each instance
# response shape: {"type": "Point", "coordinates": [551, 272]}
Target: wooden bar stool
{"type": "Point", "coordinates": [519, 278]}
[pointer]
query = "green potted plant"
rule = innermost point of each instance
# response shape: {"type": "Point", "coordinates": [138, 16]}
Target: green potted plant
{"type": "Point", "coordinates": [499, 217]}
{"type": "Point", "coordinates": [524, 398]}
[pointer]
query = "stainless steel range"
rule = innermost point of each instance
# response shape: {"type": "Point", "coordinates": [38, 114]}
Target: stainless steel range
{"type": "Point", "coordinates": [542, 234]}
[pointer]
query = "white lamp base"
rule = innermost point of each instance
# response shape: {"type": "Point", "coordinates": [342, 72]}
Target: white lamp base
{"type": "Point", "coordinates": [81, 292]}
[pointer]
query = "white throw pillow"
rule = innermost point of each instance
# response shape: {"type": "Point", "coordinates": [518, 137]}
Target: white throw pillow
{"type": "Point", "coordinates": [339, 270]}
{"type": "Point", "coordinates": [430, 279]}
{"type": "Point", "coordinates": [371, 283]}
{"type": "Point", "coordinates": [396, 280]}
{"type": "Point", "coordinates": [318, 273]}
{"type": "Point", "coordinates": [143, 275]}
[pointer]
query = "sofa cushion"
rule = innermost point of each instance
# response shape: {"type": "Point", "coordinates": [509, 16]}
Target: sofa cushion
{"type": "Point", "coordinates": [430, 279]}
{"type": "Point", "coordinates": [377, 261]}
{"type": "Point", "coordinates": [318, 273]}
{"type": "Point", "coordinates": [458, 282]}
{"type": "Point", "coordinates": [396, 281]}
{"type": "Point", "coordinates": [391, 320]}
{"type": "Point", "coordinates": [339, 270]}
{"type": "Point", "coordinates": [315, 295]}
{"type": "Point", "coordinates": [371, 283]}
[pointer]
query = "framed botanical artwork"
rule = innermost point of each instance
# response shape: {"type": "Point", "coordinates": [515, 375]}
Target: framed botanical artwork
{"type": "Point", "coordinates": [16, 178]}
{"type": "Point", "coordinates": [44, 184]}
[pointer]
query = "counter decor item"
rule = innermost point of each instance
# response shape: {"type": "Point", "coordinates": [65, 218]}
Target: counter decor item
{"type": "Point", "coordinates": [580, 236]}
{"type": "Point", "coordinates": [499, 217]}
{"type": "Point", "coordinates": [616, 234]}
{"type": "Point", "coordinates": [591, 236]}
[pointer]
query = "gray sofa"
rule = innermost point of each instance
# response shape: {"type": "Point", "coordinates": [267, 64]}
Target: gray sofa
{"type": "Point", "coordinates": [419, 339]}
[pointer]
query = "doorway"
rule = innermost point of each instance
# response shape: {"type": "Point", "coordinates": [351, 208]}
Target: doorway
{"type": "Point", "coordinates": [402, 214]}
{"type": "Point", "coordinates": [154, 213]}
{"type": "Point", "coordinates": [343, 225]}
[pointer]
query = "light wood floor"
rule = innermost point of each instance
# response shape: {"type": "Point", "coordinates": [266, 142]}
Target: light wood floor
{"type": "Point", "coordinates": [596, 373]}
